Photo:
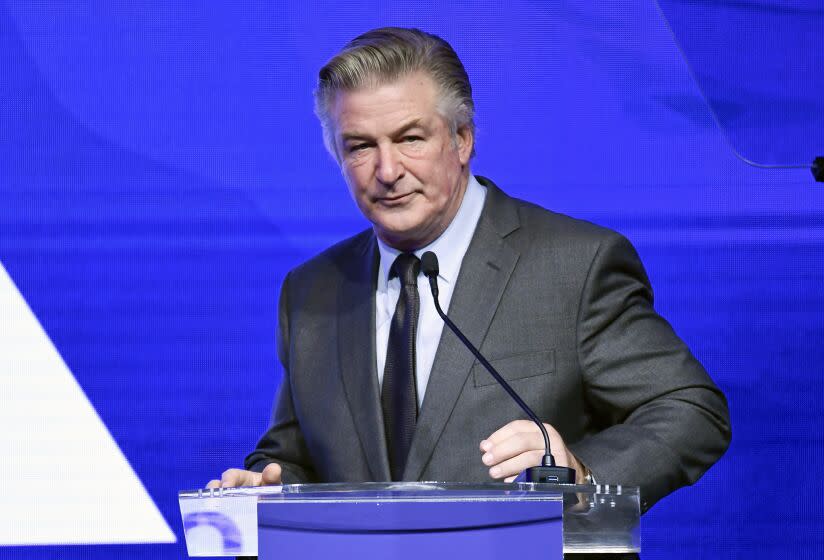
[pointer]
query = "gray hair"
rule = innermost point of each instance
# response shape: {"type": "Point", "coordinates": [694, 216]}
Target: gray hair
{"type": "Point", "coordinates": [384, 55]}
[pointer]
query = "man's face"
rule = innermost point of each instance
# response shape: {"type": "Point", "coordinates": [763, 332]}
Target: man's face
{"type": "Point", "coordinates": [404, 169]}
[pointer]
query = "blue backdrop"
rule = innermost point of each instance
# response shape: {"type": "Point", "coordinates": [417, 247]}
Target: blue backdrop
{"type": "Point", "coordinates": [161, 170]}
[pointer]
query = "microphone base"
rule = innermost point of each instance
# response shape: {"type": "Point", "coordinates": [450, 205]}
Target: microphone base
{"type": "Point", "coordinates": [550, 475]}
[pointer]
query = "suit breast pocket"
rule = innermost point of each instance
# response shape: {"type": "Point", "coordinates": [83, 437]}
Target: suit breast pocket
{"type": "Point", "coordinates": [516, 366]}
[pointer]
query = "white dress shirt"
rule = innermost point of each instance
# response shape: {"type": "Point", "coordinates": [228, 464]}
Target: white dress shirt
{"type": "Point", "coordinates": [450, 248]}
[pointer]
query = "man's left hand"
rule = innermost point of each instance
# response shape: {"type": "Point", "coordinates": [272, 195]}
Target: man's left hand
{"type": "Point", "coordinates": [520, 445]}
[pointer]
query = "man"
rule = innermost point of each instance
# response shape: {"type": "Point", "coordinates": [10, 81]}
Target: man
{"type": "Point", "coordinates": [374, 389]}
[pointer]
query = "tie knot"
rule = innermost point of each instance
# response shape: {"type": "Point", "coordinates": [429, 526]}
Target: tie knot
{"type": "Point", "coordinates": [406, 267]}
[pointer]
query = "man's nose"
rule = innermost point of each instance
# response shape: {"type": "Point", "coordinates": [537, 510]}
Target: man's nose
{"type": "Point", "coordinates": [389, 165]}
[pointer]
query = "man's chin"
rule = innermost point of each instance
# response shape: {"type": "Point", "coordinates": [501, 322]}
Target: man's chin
{"type": "Point", "coordinates": [402, 238]}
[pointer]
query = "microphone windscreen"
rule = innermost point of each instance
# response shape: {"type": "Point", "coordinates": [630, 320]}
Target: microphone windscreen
{"type": "Point", "coordinates": [429, 264]}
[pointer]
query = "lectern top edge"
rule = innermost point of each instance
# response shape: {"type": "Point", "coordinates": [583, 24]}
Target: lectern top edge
{"type": "Point", "coordinates": [411, 488]}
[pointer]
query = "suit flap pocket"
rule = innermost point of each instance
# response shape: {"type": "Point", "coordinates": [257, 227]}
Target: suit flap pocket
{"type": "Point", "coordinates": [517, 366]}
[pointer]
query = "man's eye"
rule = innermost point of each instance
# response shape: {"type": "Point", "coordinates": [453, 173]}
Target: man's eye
{"type": "Point", "coordinates": [411, 138]}
{"type": "Point", "coordinates": [357, 147]}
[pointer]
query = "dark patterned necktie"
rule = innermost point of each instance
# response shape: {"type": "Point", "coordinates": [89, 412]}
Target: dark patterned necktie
{"type": "Point", "coordinates": [399, 395]}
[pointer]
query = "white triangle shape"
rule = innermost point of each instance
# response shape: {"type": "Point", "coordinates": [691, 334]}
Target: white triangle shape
{"type": "Point", "coordinates": [65, 480]}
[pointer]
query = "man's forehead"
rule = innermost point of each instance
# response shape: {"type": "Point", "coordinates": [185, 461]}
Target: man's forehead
{"type": "Point", "coordinates": [410, 97]}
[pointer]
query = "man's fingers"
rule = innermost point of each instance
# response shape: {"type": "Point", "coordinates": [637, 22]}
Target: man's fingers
{"type": "Point", "coordinates": [233, 478]}
{"type": "Point", "coordinates": [506, 432]}
{"type": "Point", "coordinates": [512, 467]}
{"type": "Point", "coordinates": [271, 474]}
{"type": "Point", "coordinates": [230, 478]}
{"type": "Point", "coordinates": [516, 444]}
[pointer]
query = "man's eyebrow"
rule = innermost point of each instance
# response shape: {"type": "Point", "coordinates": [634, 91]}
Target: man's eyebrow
{"type": "Point", "coordinates": [354, 136]}
{"type": "Point", "coordinates": [414, 123]}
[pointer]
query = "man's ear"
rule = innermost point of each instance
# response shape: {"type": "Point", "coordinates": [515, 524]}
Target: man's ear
{"type": "Point", "coordinates": [465, 141]}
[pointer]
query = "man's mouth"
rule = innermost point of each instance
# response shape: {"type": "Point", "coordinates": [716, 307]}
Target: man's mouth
{"type": "Point", "coordinates": [395, 200]}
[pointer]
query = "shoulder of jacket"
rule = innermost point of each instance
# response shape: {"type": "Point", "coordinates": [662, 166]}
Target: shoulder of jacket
{"type": "Point", "coordinates": [333, 257]}
{"type": "Point", "coordinates": [538, 222]}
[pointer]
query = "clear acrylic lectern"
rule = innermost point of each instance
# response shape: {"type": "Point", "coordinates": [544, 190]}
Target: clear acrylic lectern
{"type": "Point", "coordinates": [420, 521]}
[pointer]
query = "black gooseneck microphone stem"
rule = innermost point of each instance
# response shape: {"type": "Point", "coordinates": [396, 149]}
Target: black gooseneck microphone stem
{"type": "Point", "coordinates": [548, 460]}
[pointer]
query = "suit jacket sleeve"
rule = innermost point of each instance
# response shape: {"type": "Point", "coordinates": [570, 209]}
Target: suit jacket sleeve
{"type": "Point", "coordinates": [668, 422]}
{"type": "Point", "coordinates": [283, 442]}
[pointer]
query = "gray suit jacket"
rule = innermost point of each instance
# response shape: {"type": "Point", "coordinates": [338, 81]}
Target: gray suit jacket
{"type": "Point", "coordinates": [561, 307]}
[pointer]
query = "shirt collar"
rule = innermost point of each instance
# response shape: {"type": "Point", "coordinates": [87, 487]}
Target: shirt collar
{"type": "Point", "coordinates": [452, 244]}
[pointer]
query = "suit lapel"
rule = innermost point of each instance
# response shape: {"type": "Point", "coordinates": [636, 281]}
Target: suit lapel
{"type": "Point", "coordinates": [483, 277]}
{"type": "Point", "coordinates": [356, 354]}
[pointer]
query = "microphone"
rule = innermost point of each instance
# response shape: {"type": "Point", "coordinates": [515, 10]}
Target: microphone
{"type": "Point", "coordinates": [548, 471]}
